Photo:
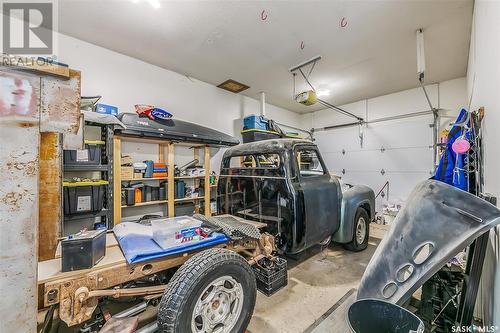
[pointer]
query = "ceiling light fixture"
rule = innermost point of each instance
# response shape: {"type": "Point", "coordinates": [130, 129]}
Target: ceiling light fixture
{"type": "Point", "coordinates": [154, 3]}
{"type": "Point", "coordinates": [322, 92]}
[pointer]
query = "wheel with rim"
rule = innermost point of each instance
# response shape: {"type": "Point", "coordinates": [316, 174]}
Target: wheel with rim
{"type": "Point", "coordinates": [361, 231]}
{"type": "Point", "coordinates": [213, 292]}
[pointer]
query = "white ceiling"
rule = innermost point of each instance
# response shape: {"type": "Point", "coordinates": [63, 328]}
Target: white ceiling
{"type": "Point", "coordinates": [375, 54]}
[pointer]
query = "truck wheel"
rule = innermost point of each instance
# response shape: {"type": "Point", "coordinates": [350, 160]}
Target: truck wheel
{"type": "Point", "coordinates": [361, 231]}
{"type": "Point", "coordinates": [214, 291]}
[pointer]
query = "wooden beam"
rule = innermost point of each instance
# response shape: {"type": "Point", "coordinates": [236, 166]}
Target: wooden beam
{"type": "Point", "coordinates": [117, 180]}
{"type": "Point", "coordinates": [171, 181]}
{"type": "Point", "coordinates": [208, 212]}
{"type": "Point", "coordinates": [161, 153]}
{"type": "Point", "coordinates": [50, 195]}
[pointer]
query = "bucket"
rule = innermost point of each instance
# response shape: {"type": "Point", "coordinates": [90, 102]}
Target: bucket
{"type": "Point", "coordinates": [376, 316]}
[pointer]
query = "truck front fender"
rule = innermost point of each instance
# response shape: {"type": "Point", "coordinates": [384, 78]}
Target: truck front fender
{"type": "Point", "coordinates": [352, 198]}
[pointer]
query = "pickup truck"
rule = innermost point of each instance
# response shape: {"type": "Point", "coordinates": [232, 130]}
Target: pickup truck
{"type": "Point", "coordinates": [285, 184]}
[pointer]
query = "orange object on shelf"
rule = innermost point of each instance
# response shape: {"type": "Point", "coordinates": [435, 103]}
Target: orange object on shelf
{"type": "Point", "coordinates": [160, 175]}
{"type": "Point", "coordinates": [138, 195]}
{"type": "Point", "coordinates": [159, 165]}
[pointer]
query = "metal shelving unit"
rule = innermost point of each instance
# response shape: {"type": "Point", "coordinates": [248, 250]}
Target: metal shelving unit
{"type": "Point", "coordinates": [106, 173]}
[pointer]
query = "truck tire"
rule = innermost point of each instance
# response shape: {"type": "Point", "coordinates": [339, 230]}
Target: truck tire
{"type": "Point", "coordinates": [361, 231]}
{"type": "Point", "coordinates": [214, 290]}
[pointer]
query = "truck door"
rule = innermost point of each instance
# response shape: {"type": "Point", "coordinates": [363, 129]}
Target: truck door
{"type": "Point", "coordinates": [320, 193]}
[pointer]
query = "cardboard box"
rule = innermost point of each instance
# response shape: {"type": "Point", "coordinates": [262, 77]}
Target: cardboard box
{"type": "Point", "coordinates": [126, 160]}
{"type": "Point", "coordinates": [138, 175]}
{"type": "Point", "coordinates": [106, 109]}
{"type": "Point", "coordinates": [127, 172]}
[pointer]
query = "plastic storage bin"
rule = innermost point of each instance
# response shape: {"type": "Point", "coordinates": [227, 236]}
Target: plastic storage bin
{"type": "Point", "coordinates": [91, 155]}
{"type": "Point", "coordinates": [83, 196]}
{"type": "Point", "coordinates": [251, 135]}
{"type": "Point", "coordinates": [271, 276]}
{"type": "Point", "coordinates": [171, 232]}
{"type": "Point", "coordinates": [257, 122]}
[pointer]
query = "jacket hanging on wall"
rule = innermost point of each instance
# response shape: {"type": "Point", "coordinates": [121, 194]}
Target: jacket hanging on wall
{"type": "Point", "coordinates": [452, 166]}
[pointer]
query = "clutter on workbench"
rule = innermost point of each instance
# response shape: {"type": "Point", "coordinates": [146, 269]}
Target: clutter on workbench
{"type": "Point", "coordinates": [178, 230]}
{"type": "Point", "coordinates": [83, 195]}
{"type": "Point", "coordinates": [137, 243]}
{"type": "Point", "coordinates": [90, 155]}
{"type": "Point", "coordinates": [83, 250]}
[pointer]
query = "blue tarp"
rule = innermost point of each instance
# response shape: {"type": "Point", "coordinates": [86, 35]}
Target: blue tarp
{"type": "Point", "coordinates": [137, 243]}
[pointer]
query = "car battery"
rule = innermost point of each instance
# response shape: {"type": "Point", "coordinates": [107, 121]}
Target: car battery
{"type": "Point", "coordinates": [83, 250]}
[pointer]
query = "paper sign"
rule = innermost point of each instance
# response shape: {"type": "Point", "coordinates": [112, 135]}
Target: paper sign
{"type": "Point", "coordinates": [83, 204]}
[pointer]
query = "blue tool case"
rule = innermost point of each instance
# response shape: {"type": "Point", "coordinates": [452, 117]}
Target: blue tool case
{"type": "Point", "coordinates": [255, 122]}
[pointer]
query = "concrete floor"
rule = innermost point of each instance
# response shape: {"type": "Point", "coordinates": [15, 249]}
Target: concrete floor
{"type": "Point", "coordinates": [316, 282]}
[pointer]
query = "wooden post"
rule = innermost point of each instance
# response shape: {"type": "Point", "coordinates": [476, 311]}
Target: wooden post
{"type": "Point", "coordinates": [161, 153]}
{"type": "Point", "coordinates": [208, 212]}
{"type": "Point", "coordinates": [50, 195]}
{"type": "Point", "coordinates": [117, 180]}
{"type": "Point", "coordinates": [171, 181]}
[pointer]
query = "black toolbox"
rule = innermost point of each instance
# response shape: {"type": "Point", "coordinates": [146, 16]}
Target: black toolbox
{"type": "Point", "coordinates": [91, 155]}
{"type": "Point", "coordinates": [84, 196]}
{"type": "Point", "coordinates": [83, 250]}
{"type": "Point", "coordinates": [271, 276]}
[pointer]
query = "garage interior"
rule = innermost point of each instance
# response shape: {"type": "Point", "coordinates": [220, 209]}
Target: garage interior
{"type": "Point", "coordinates": [250, 166]}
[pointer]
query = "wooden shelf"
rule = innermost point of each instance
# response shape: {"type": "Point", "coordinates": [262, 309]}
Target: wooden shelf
{"type": "Point", "coordinates": [189, 177]}
{"type": "Point", "coordinates": [141, 179]}
{"type": "Point", "coordinates": [147, 203]}
{"type": "Point", "coordinates": [189, 199]}
{"type": "Point", "coordinates": [166, 152]}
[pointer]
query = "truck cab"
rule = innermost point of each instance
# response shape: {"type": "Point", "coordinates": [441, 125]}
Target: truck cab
{"type": "Point", "coordinates": [285, 184]}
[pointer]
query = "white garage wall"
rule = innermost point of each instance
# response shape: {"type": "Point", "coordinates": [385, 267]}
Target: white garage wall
{"type": "Point", "coordinates": [407, 155]}
{"type": "Point", "coordinates": [483, 84]}
{"type": "Point", "coordinates": [124, 81]}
